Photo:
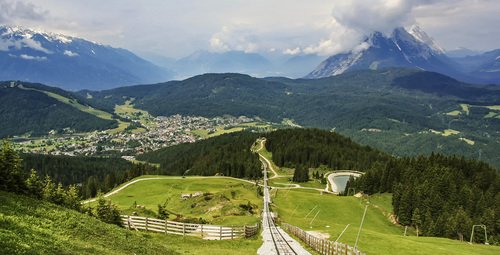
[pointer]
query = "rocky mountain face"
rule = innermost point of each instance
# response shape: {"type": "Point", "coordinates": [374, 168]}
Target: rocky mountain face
{"type": "Point", "coordinates": [405, 47]}
{"type": "Point", "coordinates": [69, 62]}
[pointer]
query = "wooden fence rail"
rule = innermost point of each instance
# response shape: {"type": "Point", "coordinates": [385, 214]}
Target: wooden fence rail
{"type": "Point", "coordinates": [322, 246]}
{"type": "Point", "coordinates": [204, 231]}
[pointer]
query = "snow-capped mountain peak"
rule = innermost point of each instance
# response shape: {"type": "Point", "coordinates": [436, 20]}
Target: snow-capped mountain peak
{"type": "Point", "coordinates": [70, 62]}
{"type": "Point", "coordinates": [410, 48]}
{"type": "Point", "coordinates": [422, 36]}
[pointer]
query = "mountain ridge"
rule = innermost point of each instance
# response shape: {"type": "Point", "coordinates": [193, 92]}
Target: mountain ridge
{"type": "Point", "coordinates": [404, 47]}
{"type": "Point", "coordinates": [69, 62]}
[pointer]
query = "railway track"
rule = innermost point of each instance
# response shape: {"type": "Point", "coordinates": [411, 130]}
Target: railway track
{"type": "Point", "coordinates": [282, 244]}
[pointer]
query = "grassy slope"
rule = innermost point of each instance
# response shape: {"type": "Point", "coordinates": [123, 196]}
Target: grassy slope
{"type": "Point", "coordinates": [379, 235]}
{"type": "Point", "coordinates": [29, 226]}
{"type": "Point", "coordinates": [168, 190]}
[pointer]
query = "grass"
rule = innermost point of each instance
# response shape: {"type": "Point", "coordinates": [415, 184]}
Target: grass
{"type": "Point", "coordinates": [128, 110]}
{"type": "Point", "coordinates": [222, 207]}
{"type": "Point", "coordinates": [219, 130]}
{"type": "Point", "coordinates": [83, 108]}
{"type": "Point", "coordinates": [29, 226]}
{"type": "Point", "coordinates": [454, 113]}
{"type": "Point", "coordinates": [465, 108]}
{"type": "Point", "coordinates": [379, 235]}
{"type": "Point", "coordinates": [494, 107]}
{"type": "Point", "coordinates": [448, 132]}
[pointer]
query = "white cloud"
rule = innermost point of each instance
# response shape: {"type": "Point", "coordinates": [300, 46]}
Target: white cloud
{"type": "Point", "coordinates": [292, 52]}
{"type": "Point", "coordinates": [28, 57]}
{"type": "Point", "coordinates": [70, 53]}
{"type": "Point", "coordinates": [10, 10]}
{"type": "Point", "coordinates": [6, 44]}
{"type": "Point", "coordinates": [236, 37]}
{"type": "Point", "coordinates": [315, 26]}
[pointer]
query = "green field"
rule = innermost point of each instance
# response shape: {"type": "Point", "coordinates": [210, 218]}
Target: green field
{"type": "Point", "coordinates": [128, 110]}
{"type": "Point", "coordinates": [221, 206]}
{"type": "Point", "coordinates": [379, 235]}
{"type": "Point", "coordinates": [29, 226]}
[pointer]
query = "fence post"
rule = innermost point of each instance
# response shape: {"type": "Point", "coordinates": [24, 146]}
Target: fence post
{"type": "Point", "coordinates": [166, 226]}
{"type": "Point", "coordinates": [245, 230]}
{"type": "Point", "coordinates": [346, 249]}
{"type": "Point", "coordinates": [183, 229]}
{"type": "Point", "coordinates": [201, 230]}
{"type": "Point", "coordinates": [128, 221]}
{"type": "Point", "coordinates": [232, 232]}
{"type": "Point", "coordinates": [220, 233]}
{"type": "Point", "coordinates": [146, 224]}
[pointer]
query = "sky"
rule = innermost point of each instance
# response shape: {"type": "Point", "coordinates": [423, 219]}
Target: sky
{"type": "Point", "coordinates": [176, 28]}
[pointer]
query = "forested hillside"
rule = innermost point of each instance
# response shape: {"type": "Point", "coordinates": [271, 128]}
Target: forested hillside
{"type": "Point", "coordinates": [27, 109]}
{"type": "Point", "coordinates": [314, 147]}
{"type": "Point", "coordinates": [227, 155]}
{"type": "Point", "coordinates": [94, 174]}
{"type": "Point", "coordinates": [442, 196]}
{"type": "Point", "coordinates": [396, 110]}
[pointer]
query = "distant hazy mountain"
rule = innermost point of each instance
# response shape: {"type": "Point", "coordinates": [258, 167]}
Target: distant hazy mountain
{"type": "Point", "coordinates": [410, 48]}
{"type": "Point", "coordinates": [461, 52]}
{"type": "Point", "coordinates": [69, 62]}
{"type": "Point", "coordinates": [202, 62]}
{"type": "Point", "coordinates": [485, 66]}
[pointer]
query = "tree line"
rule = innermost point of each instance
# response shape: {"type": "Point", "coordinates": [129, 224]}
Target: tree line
{"type": "Point", "coordinates": [91, 174]}
{"type": "Point", "coordinates": [439, 195]}
{"type": "Point", "coordinates": [314, 147]}
{"type": "Point", "coordinates": [12, 179]}
{"type": "Point", "coordinates": [227, 155]}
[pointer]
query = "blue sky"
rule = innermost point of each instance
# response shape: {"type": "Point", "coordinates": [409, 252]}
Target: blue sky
{"type": "Point", "coordinates": [176, 28]}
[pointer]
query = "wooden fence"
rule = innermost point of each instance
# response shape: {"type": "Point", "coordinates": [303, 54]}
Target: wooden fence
{"type": "Point", "coordinates": [322, 246]}
{"type": "Point", "coordinates": [210, 232]}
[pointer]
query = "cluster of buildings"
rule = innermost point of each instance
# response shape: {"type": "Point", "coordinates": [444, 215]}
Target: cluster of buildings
{"type": "Point", "coordinates": [160, 132]}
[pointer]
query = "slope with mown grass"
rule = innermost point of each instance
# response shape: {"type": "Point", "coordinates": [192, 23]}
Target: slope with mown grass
{"type": "Point", "coordinates": [217, 200]}
{"type": "Point", "coordinates": [378, 236]}
{"type": "Point", "coordinates": [29, 226]}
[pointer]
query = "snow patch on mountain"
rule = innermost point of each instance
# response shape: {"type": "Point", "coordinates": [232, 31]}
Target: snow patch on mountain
{"type": "Point", "coordinates": [421, 36]}
{"type": "Point", "coordinates": [70, 53]}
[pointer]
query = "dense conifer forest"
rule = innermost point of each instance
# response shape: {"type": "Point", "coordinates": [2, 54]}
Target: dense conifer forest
{"type": "Point", "coordinates": [440, 195]}
{"type": "Point", "coordinates": [227, 155]}
{"type": "Point", "coordinates": [315, 147]}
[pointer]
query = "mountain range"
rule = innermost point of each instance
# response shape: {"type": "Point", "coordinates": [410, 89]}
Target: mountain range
{"type": "Point", "coordinates": [69, 62]}
{"type": "Point", "coordinates": [74, 63]}
{"type": "Point", "coordinates": [396, 110]}
{"type": "Point", "coordinates": [410, 48]}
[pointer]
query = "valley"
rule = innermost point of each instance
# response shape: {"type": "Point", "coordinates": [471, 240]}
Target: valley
{"type": "Point", "coordinates": [224, 127]}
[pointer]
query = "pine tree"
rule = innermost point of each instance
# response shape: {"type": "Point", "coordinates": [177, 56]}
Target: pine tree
{"type": "Point", "coordinates": [10, 170]}
{"type": "Point", "coordinates": [107, 212]}
{"type": "Point", "coordinates": [48, 192]}
{"type": "Point", "coordinates": [59, 195]}
{"type": "Point", "coordinates": [72, 198]}
{"type": "Point", "coordinates": [34, 185]}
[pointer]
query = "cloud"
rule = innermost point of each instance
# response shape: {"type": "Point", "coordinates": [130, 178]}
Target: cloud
{"type": "Point", "coordinates": [235, 38]}
{"type": "Point", "coordinates": [7, 44]}
{"type": "Point", "coordinates": [70, 53]}
{"type": "Point", "coordinates": [10, 11]}
{"type": "Point", "coordinates": [293, 52]}
{"type": "Point", "coordinates": [36, 58]}
{"type": "Point", "coordinates": [353, 20]}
